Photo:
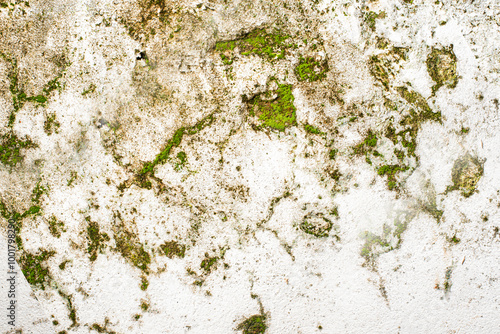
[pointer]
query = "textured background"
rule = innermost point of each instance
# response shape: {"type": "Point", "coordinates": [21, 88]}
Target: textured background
{"type": "Point", "coordinates": [252, 166]}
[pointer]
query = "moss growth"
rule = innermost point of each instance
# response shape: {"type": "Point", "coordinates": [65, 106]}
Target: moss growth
{"type": "Point", "coordinates": [89, 90]}
{"type": "Point", "coordinates": [173, 248]}
{"type": "Point", "coordinates": [367, 144]}
{"type": "Point", "coordinates": [256, 324]}
{"type": "Point", "coordinates": [63, 264]}
{"type": "Point", "coordinates": [257, 42]}
{"type": "Point", "coordinates": [19, 97]}
{"type": "Point", "coordinates": [71, 308]}
{"type": "Point", "coordinates": [442, 67]}
{"type": "Point", "coordinates": [32, 265]}
{"type": "Point", "coordinates": [371, 17]}
{"type": "Point", "coordinates": [209, 263]}
{"type": "Point", "coordinates": [74, 176]}
{"type": "Point", "coordinates": [51, 125]}
{"type": "Point", "coordinates": [312, 129]}
{"type": "Point", "coordinates": [333, 153]}
{"type": "Point", "coordinates": [466, 173]}
{"type": "Point", "coordinates": [275, 109]}
{"type": "Point", "coordinates": [55, 227]}
{"type": "Point", "coordinates": [454, 240]}
{"type": "Point", "coordinates": [379, 70]}
{"type": "Point", "coordinates": [381, 65]}
{"type": "Point", "coordinates": [10, 149]}
{"type": "Point", "coordinates": [391, 171]}
{"type": "Point", "coordinates": [417, 100]}
{"type": "Point", "coordinates": [144, 283]}
{"type": "Point", "coordinates": [372, 241]}
{"type": "Point", "coordinates": [144, 306]}
{"type": "Point", "coordinates": [131, 249]}
{"type": "Point", "coordinates": [95, 239]}
{"type": "Point", "coordinates": [175, 141]}
{"type": "Point", "coordinates": [389, 240]}
{"type": "Point", "coordinates": [181, 160]}
{"type": "Point", "coordinates": [311, 70]}
{"type": "Point", "coordinates": [316, 225]}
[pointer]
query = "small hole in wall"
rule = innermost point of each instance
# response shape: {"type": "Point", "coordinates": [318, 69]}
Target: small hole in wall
{"type": "Point", "coordinates": [142, 55]}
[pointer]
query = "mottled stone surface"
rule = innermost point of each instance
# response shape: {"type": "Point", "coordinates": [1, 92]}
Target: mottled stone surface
{"type": "Point", "coordinates": [252, 166]}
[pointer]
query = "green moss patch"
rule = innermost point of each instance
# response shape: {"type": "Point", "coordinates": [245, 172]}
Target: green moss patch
{"type": "Point", "coordinates": [256, 324]}
{"type": "Point", "coordinates": [368, 144]}
{"type": "Point", "coordinates": [442, 67]}
{"type": "Point", "coordinates": [316, 225]}
{"type": "Point", "coordinates": [55, 227]}
{"type": "Point", "coordinates": [172, 249]}
{"type": "Point", "coordinates": [275, 109]}
{"type": "Point", "coordinates": [391, 171]}
{"type": "Point", "coordinates": [258, 42]}
{"type": "Point", "coordinates": [35, 271]}
{"type": "Point", "coordinates": [371, 17]}
{"type": "Point", "coordinates": [95, 239]}
{"type": "Point", "coordinates": [209, 263]}
{"type": "Point", "coordinates": [19, 97]}
{"type": "Point", "coordinates": [129, 247]}
{"type": "Point", "coordinates": [10, 149]}
{"type": "Point", "coordinates": [175, 141]}
{"type": "Point", "coordinates": [312, 129]}
{"type": "Point", "coordinates": [465, 174]}
{"type": "Point", "coordinates": [51, 125]}
{"type": "Point", "coordinates": [309, 69]}
{"type": "Point", "coordinates": [144, 283]}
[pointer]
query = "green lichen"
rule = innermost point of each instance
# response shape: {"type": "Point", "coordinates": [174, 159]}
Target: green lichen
{"type": "Point", "coordinates": [95, 239]}
{"type": "Point", "coordinates": [380, 70]}
{"type": "Point", "coordinates": [442, 67]}
{"type": "Point", "coordinates": [453, 240]}
{"type": "Point", "coordinates": [102, 329]}
{"type": "Point", "coordinates": [309, 69]}
{"type": "Point", "coordinates": [173, 248]}
{"type": "Point", "coordinates": [256, 324]}
{"type": "Point", "coordinates": [466, 173]}
{"type": "Point", "coordinates": [35, 271]}
{"type": "Point", "coordinates": [333, 153]}
{"type": "Point", "coordinates": [417, 100]}
{"type": "Point", "coordinates": [63, 264]}
{"type": "Point", "coordinates": [447, 280]}
{"type": "Point", "coordinates": [275, 109]}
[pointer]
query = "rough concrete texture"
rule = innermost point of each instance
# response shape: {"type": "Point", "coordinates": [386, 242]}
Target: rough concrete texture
{"type": "Point", "coordinates": [252, 166]}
